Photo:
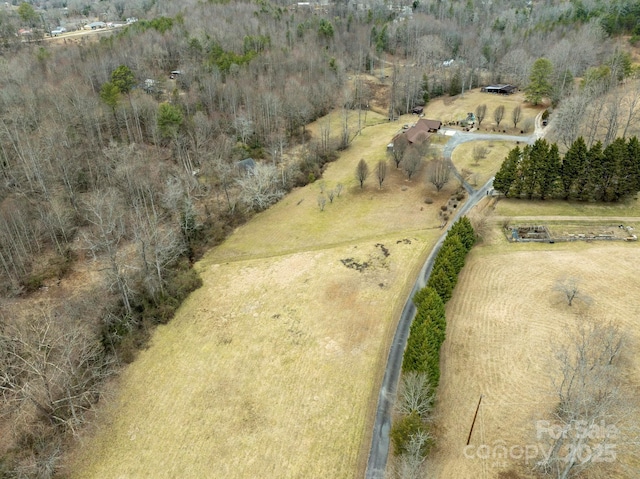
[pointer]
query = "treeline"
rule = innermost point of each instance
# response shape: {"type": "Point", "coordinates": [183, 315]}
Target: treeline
{"type": "Point", "coordinates": [133, 185]}
{"type": "Point", "coordinates": [620, 17]}
{"type": "Point", "coordinates": [421, 362]}
{"type": "Point", "coordinates": [604, 174]}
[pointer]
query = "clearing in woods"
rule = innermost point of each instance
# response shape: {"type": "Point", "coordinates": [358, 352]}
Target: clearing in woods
{"type": "Point", "coordinates": [272, 368]}
{"type": "Point", "coordinates": [502, 324]}
{"type": "Point", "coordinates": [455, 108]}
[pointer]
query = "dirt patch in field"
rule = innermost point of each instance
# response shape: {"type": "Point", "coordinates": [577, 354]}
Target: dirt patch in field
{"type": "Point", "coordinates": [502, 327]}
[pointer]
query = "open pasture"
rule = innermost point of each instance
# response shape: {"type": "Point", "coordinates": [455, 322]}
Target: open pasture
{"type": "Point", "coordinates": [505, 323]}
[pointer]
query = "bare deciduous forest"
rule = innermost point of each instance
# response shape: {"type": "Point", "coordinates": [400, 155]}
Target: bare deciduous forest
{"type": "Point", "coordinates": [115, 177]}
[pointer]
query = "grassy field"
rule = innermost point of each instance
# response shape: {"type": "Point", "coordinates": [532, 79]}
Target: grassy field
{"type": "Point", "coordinates": [272, 368]}
{"type": "Point", "coordinates": [503, 325]}
{"type": "Point", "coordinates": [511, 207]}
{"type": "Point", "coordinates": [448, 109]}
{"type": "Point", "coordinates": [480, 171]}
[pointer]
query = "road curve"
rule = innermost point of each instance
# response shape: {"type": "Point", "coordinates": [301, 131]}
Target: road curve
{"type": "Point", "coordinates": [379, 451]}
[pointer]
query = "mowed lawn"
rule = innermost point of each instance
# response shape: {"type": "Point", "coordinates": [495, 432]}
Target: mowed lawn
{"type": "Point", "coordinates": [272, 368]}
{"type": "Point", "coordinates": [478, 171]}
{"type": "Point", "coordinates": [456, 108]}
{"type": "Point", "coordinates": [504, 325]}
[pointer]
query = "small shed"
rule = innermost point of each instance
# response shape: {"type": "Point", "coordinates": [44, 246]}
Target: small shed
{"type": "Point", "coordinates": [499, 89]}
{"type": "Point", "coordinates": [95, 25]}
{"type": "Point", "coordinates": [417, 110]}
{"type": "Point", "coordinates": [246, 166]}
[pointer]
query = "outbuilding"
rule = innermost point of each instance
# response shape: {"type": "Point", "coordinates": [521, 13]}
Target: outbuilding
{"type": "Point", "coordinates": [500, 89]}
{"type": "Point", "coordinates": [246, 166]}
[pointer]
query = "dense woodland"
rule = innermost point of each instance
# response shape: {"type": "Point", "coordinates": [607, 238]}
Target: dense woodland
{"type": "Point", "coordinates": [133, 179]}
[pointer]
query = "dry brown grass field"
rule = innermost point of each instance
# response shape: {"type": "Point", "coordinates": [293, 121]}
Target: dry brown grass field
{"type": "Point", "coordinates": [511, 207]}
{"type": "Point", "coordinates": [480, 171]}
{"type": "Point", "coordinates": [504, 323]}
{"type": "Point", "coordinates": [272, 368]}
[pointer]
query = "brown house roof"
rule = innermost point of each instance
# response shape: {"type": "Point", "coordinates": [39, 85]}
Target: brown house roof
{"type": "Point", "coordinates": [432, 125]}
{"type": "Point", "coordinates": [421, 131]}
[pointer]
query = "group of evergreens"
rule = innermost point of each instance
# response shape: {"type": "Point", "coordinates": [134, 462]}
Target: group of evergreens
{"type": "Point", "coordinates": [599, 173]}
{"type": "Point", "coordinates": [428, 330]}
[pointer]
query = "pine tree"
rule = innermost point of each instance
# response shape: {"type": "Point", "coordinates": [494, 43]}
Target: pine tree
{"type": "Point", "coordinates": [454, 252]}
{"type": "Point", "coordinates": [506, 176]}
{"type": "Point", "coordinates": [593, 189]}
{"type": "Point", "coordinates": [425, 89]}
{"type": "Point", "coordinates": [613, 157]}
{"type": "Point", "coordinates": [550, 170]}
{"type": "Point", "coordinates": [539, 81]}
{"type": "Point", "coordinates": [441, 282]}
{"type": "Point", "coordinates": [626, 177]}
{"type": "Point", "coordinates": [414, 354]}
{"type": "Point", "coordinates": [464, 230]}
{"type": "Point", "coordinates": [634, 161]}
{"type": "Point", "coordinates": [573, 165]}
{"type": "Point", "coordinates": [527, 173]}
{"type": "Point", "coordinates": [538, 166]}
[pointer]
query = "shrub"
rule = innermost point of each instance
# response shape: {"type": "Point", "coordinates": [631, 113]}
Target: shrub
{"type": "Point", "coordinates": [33, 282]}
{"type": "Point", "coordinates": [404, 429]}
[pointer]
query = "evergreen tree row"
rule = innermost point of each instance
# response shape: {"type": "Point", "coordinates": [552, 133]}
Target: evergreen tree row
{"type": "Point", "coordinates": [427, 331]}
{"type": "Point", "coordinates": [584, 174]}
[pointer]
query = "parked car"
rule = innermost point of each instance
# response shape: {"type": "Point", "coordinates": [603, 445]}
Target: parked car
{"type": "Point", "coordinates": [58, 31]}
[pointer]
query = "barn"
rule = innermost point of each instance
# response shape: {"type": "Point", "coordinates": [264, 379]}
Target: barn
{"type": "Point", "coordinates": [500, 89]}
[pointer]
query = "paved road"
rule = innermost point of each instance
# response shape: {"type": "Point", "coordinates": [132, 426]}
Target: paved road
{"type": "Point", "coordinates": [379, 451]}
{"type": "Point", "coordinates": [463, 137]}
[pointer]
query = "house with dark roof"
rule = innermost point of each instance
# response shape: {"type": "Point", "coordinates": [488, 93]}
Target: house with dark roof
{"type": "Point", "coordinates": [431, 125]}
{"type": "Point", "coordinates": [422, 130]}
{"type": "Point", "coordinates": [417, 135]}
{"type": "Point", "coordinates": [500, 89]}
